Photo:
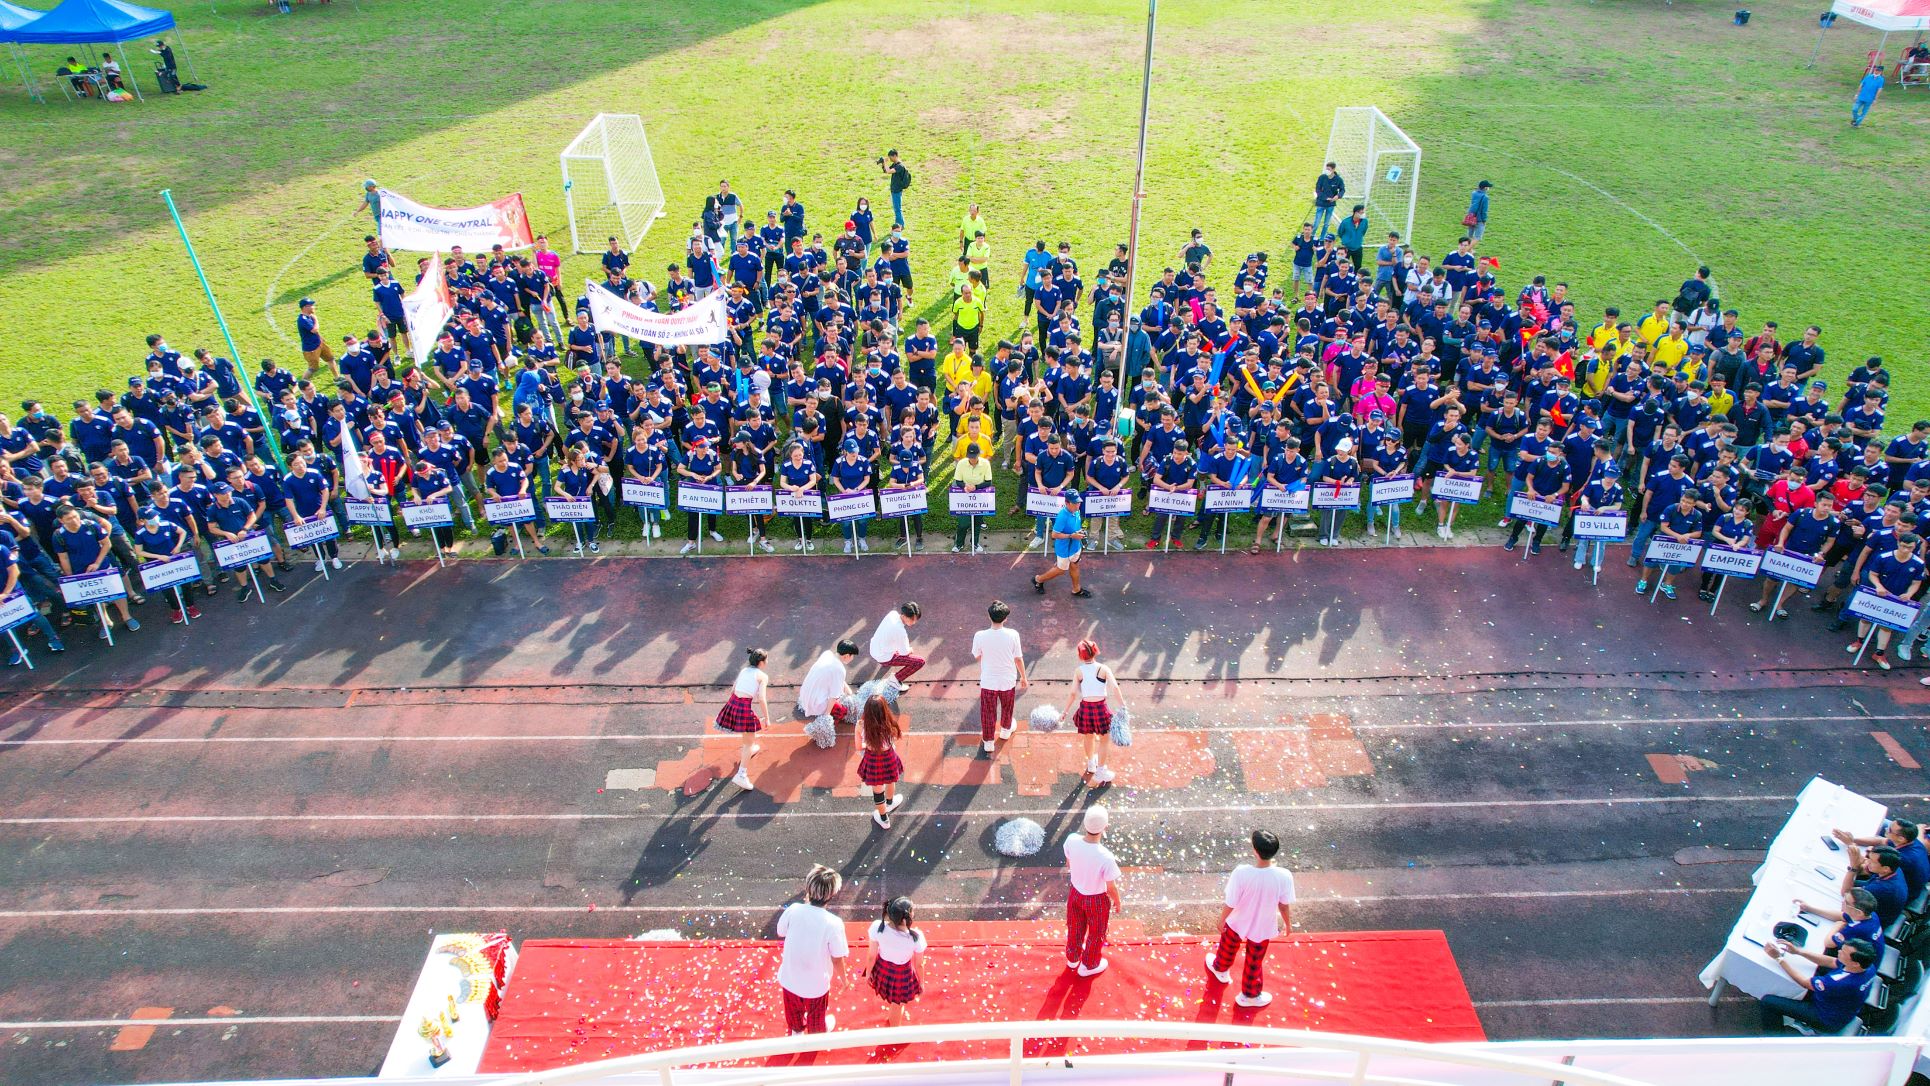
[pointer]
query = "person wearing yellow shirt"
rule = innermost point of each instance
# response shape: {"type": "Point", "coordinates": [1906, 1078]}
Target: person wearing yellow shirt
{"type": "Point", "coordinates": [969, 227]}
{"type": "Point", "coordinates": [1603, 334]}
{"type": "Point", "coordinates": [1720, 398]}
{"type": "Point", "coordinates": [978, 256]}
{"type": "Point", "coordinates": [1655, 325]}
{"type": "Point", "coordinates": [955, 369]}
{"type": "Point", "coordinates": [973, 430]}
{"type": "Point", "coordinates": [968, 317]}
{"type": "Point", "coordinates": [1670, 350]}
{"type": "Point", "coordinates": [978, 384]}
{"type": "Point", "coordinates": [961, 275]}
{"type": "Point", "coordinates": [1593, 372]}
{"type": "Point", "coordinates": [973, 473]}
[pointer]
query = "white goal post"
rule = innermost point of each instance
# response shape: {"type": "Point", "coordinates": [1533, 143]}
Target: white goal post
{"type": "Point", "coordinates": [1381, 166]}
{"type": "Point", "coordinates": [610, 183]}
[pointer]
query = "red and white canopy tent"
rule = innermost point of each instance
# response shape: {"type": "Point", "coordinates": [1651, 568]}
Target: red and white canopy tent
{"type": "Point", "coordinates": [1888, 16]}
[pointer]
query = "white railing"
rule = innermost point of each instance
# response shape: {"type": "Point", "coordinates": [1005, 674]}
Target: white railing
{"type": "Point", "coordinates": [1253, 1041]}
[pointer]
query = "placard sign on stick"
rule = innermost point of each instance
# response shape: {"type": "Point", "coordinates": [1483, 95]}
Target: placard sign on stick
{"type": "Point", "coordinates": [1886, 611]}
{"type": "Point", "coordinates": [570, 510]}
{"type": "Point", "coordinates": [246, 550]}
{"type": "Point", "coordinates": [17, 609]}
{"type": "Point", "coordinates": [310, 533]}
{"type": "Point", "coordinates": [1672, 552]}
{"type": "Point", "coordinates": [1110, 505]}
{"type": "Point", "coordinates": [902, 501]}
{"type": "Point", "coordinates": [1180, 503]}
{"type": "Point", "coordinates": [745, 500]}
{"type": "Point", "coordinates": [509, 510]}
{"type": "Point", "coordinates": [975, 503]}
{"type": "Point", "coordinates": [700, 498]}
{"type": "Point", "coordinates": [850, 506]}
{"type": "Point", "coordinates": [369, 513]}
{"type": "Point", "coordinates": [1611, 526]}
{"type": "Point", "coordinates": [1730, 562]}
{"type": "Point", "coordinates": [434, 514]}
{"type": "Point", "coordinates": [1792, 568]}
{"type": "Point", "coordinates": [1534, 510]}
{"type": "Point", "coordinates": [645, 495]}
{"type": "Point", "coordinates": [791, 504]}
{"type": "Point", "coordinates": [1228, 499]}
{"type": "Point", "coordinates": [1296, 500]}
{"type": "Point", "coordinates": [1041, 503]}
{"type": "Point", "coordinates": [1389, 489]}
{"type": "Point", "coordinates": [87, 589]}
{"type": "Point", "coordinates": [1329, 496]}
{"type": "Point", "coordinates": [1459, 489]}
{"type": "Point", "coordinates": [165, 573]}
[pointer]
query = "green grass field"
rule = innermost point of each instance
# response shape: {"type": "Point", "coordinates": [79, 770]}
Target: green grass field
{"type": "Point", "coordinates": [1627, 141]}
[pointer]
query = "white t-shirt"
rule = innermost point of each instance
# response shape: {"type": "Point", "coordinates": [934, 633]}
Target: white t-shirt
{"type": "Point", "coordinates": [822, 684]}
{"type": "Point", "coordinates": [891, 638]}
{"type": "Point", "coordinates": [1255, 895]}
{"type": "Point", "coordinates": [813, 939]}
{"type": "Point", "coordinates": [894, 946]}
{"type": "Point", "coordinates": [1091, 865]}
{"type": "Point", "coordinates": [750, 680]}
{"type": "Point", "coordinates": [997, 651]}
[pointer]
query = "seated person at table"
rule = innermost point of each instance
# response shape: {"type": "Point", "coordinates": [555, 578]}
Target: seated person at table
{"type": "Point", "coordinates": [1904, 836]}
{"type": "Point", "coordinates": [1879, 871]}
{"type": "Point", "coordinates": [1855, 918]}
{"type": "Point", "coordinates": [1833, 996]}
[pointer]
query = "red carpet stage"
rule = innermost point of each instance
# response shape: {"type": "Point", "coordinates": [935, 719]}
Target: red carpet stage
{"type": "Point", "coordinates": [575, 1001]}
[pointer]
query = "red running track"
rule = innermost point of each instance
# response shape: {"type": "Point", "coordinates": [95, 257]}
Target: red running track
{"type": "Point", "coordinates": [579, 1000]}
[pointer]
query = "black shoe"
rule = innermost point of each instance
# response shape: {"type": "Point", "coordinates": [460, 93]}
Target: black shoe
{"type": "Point", "coordinates": [1837, 625]}
{"type": "Point", "coordinates": [1564, 547]}
{"type": "Point", "coordinates": [1534, 548]}
{"type": "Point", "coordinates": [284, 566]}
{"type": "Point", "coordinates": [210, 588]}
{"type": "Point", "coordinates": [1084, 594]}
{"type": "Point", "coordinates": [1037, 587]}
{"type": "Point", "coordinates": [244, 592]}
{"type": "Point", "coordinates": [1820, 606]}
{"type": "Point", "coordinates": [275, 585]}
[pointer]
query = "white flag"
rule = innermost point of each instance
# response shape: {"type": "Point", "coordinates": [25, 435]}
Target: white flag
{"type": "Point", "coordinates": [705, 322]}
{"type": "Point", "coordinates": [355, 472]}
{"type": "Point", "coordinates": [426, 309]}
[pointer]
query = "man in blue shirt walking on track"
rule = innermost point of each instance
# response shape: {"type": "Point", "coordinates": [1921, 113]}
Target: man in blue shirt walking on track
{"type": "Point", "coordinates": [1068, 543]}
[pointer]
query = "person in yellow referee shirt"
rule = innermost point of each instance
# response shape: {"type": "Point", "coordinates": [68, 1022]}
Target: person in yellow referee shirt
{"type": "Point", "coordinates": [968, 316]}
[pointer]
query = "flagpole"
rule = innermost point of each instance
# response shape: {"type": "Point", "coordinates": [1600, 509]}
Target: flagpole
{"type": "Point", "coordinates": [1139, 179]}
{"type": "Point", "coordinates": [247, 386]}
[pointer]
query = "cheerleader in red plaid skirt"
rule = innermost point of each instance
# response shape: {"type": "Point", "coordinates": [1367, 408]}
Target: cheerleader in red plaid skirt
{"type": "Point", "coordinates": [881, 767]}
{"type": "Point", "coordinates": [894, 943]}
{"type": "Point", "coordinates": [741, 714]}
{"type": "Point", "coordinates": [1091, 714]}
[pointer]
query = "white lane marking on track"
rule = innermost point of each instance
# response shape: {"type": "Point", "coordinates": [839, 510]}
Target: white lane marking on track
{"type": "Point", "coordinates": [638, 737]}
{"type": "Point", "coordinates": [697, 910]}
{"type": "Point", "coordinates": [238, 1020]}
{"type": "Point", "coordinates": [992, 812]}
{"type": "Point", "coordinates": [1606, 1001]}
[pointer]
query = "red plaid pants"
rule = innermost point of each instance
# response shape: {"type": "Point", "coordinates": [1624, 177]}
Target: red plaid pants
{"type": "Point", "coordinates": [803, 1015]}
{"type": "Point", "coordinates": [906, 663]}
{"type": "Point", "coordinates": [1086, 918]}
{"type": "Point", "coordinates": [1252, 978]}
{"type": "Point", "coordinates": [995, 708]}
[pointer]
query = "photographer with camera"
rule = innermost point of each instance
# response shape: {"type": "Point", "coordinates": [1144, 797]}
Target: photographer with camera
{"type": "Point", "coordinates": [900, 181]}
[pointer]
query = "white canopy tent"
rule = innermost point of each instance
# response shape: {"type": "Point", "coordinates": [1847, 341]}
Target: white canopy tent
{"type": "Point", "coordinates": [1888, 16]}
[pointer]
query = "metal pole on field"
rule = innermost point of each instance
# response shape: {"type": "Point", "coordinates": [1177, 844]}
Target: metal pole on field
{"type": "Point", "coordinates": [1139, 178]}
{"type": "Point", "coordinates": [247, 386]}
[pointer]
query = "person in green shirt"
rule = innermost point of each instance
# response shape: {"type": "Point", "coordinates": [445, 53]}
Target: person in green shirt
{"type": "Point", "coordinates": [978, 256]}
{"type": "Point", "coordinates": [962, 275]}
{"type": "Point", "coordinates": [969, 227]}
{"type": "Point", "coordinates": [968, 317]}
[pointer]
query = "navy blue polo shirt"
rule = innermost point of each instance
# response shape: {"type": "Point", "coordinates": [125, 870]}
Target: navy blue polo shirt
{"type": "Point", "coordinates": [1665, 490]}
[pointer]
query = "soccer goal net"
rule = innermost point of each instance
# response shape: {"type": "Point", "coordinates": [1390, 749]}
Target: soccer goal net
{"type": "Point", "coordinates": [1381, 166]}
{"type": "Point", "coordinates": [610, 183]}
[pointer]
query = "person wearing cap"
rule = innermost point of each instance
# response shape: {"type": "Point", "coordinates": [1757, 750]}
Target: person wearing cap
{"type": "Point", "coordinates": [908, 471]}
{"type": "Point", "coordinates": [1385, 457]}
{"type": "Point", "coordinates": [1094, 874]}
{"type": "Point", "coordinates": [315, 349]}
{"type": "Point", "coordinates": [1340, 469]}
{"type": "Point", "coordinates": [1068, 536]}
{"type": "Point", "coordinates": [82, 544]}
{"type": "Point", "coordinates": [971, 473]}
{"type": "Point", "coordinates": [1222, 464]}
{"type": "Point", "coordinates": [1172, 473]}
{"type": "Point", "coordinates": [507, 478]}
{"type": "Point", "coordinates": [701, 466]}
{"type": "Point", "coordinates": [1475, 222]}
{"type": "Point", "coordinates": [850, 473]}
{"type": "Point", "coordinates": [1545, 479]}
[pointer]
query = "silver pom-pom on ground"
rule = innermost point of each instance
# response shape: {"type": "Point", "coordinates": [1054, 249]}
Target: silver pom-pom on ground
{"type": "Point", "coordinates": [884, 688]}
{"type": "Point", "coordinates": [1044, 718]}
{"type": "Point", "coordinates": [1019, 837]}
{"type": "Point", "coordinates": [823, 731]}
{"type": "Point", "coordinates": [853, 706]}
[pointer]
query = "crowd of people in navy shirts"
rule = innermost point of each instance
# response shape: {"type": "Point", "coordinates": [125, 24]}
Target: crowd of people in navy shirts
{"type": "Point", "coordinates": [1336, 364]}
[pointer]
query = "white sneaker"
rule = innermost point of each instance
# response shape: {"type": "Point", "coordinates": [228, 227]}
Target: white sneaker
{"type": "Point", "coordinates": [687, 548]}
{"type": "Point", "coordinates": [716, 537]}
{"type": "Point", "coordinates": [980, 549]}
{"type": "Point", "coordinates": [1032, 542]}
{"type": "Point", "coordinates": [883, 821]}
{"type": "Point", "coordinates": [1005, 733]}
{"type": "Point", "coordinates": [395, 554]}
{"type": "Point", "coordinates": [830, 1021]}
{"type": "Point", "coordinates": [656, 531]}
{"type": "Point", "coordinates": [864, 545]}
{"type": "Point", "coordinates": [1095, 970]}
{"type": "Point", "coordinates": [1092, 765]}
{"type": "Point", "coordinates": [766, 544]}
{"type": "Point", "coordinates": [1072, 963]}
{"type": "Point", "coordinates": [1260, 1000]}
{"type": "Point", "coordinates": [742, 780]}
{"type": "Point", "coordinates": [1578, 563]}
{"type": "Point", "coordinates": [1104, 775]}
{"type": "Point", "coordinates": [1222, 977]}
{"type": "Point", "coordinates": [847, 546]}
{"type": "Point", "coordinates": [895, 802]}
{"type": "Point", "coordinates": [1503, 523]}
{"type": "Point", "coordinates": [336, 562]}
{"type": "Point", "coordinates": [988, 746]}
{"type": "Point", "coordinates": [798, 546]}
{"type": "Point", "coordinates": [320, 566]}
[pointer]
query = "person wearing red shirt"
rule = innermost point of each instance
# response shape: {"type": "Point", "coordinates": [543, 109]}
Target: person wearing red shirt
{"type": "Point", "coordinates": [1787, 495]}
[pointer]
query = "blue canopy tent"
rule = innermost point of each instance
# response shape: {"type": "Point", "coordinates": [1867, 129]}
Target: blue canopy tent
{"type": "Point", "coordinates": [13, 17]}
{"type": "Point", "coordinates": [94, 22]}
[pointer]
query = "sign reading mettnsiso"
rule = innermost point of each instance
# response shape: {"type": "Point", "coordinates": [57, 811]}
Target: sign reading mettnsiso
{"type": "Point", "coordinates": [423, 229]}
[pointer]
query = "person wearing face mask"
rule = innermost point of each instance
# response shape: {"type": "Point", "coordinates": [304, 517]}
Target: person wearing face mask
{"type": "Point", "coordinates": [1546, 481]}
